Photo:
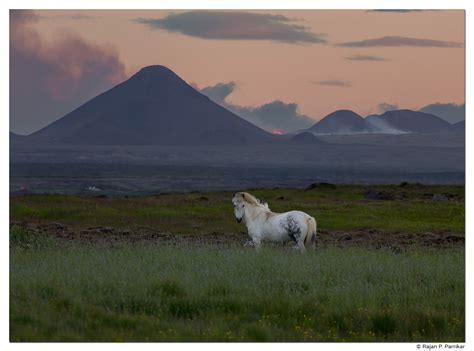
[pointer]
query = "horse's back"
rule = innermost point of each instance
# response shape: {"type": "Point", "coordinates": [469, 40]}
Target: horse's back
{"type": "Point", "coordinates": [296, 220]}
{"type": "Point", "coordinates": [299, 215]}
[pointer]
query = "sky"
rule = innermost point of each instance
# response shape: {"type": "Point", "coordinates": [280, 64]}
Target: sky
{"type": "Point", "coordinates": [282, 70]}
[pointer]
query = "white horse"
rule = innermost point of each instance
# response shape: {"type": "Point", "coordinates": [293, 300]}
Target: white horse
{"type": "Point", "coordinates": [265, 225]}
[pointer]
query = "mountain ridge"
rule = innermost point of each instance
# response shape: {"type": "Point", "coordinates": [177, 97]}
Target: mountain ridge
{"type": "Point", "coordinates": [157, 107]}
{"type": "Point", "coordinates": [390, 122]}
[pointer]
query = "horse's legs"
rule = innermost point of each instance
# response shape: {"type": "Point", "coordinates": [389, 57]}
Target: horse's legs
{"type": "Point", "coordinates": [249, 243]}
{"type": "Point", "coordinates": [301, 246]}
{"type": "Point", "coordinates": [256, 243]}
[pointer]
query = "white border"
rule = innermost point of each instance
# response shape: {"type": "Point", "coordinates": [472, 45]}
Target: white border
{"type": "Point", "coordinates": [210, 4]}
{"type": "Point", "coordinates": [237, 4]}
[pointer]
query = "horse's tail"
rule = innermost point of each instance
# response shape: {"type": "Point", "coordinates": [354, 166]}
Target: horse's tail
{"type": "Point", "coordinates": [310, 238]}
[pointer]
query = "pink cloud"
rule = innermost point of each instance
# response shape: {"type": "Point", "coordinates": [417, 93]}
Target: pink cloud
{"type": "Point", "coordinates": [47, 80]}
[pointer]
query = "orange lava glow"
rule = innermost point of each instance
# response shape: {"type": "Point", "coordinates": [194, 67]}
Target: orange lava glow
{"type": "Point", "coordinates": [277, 131]}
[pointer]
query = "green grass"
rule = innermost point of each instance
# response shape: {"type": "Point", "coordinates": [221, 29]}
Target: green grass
{"type": "Point", "coordinates": [339, 208]}
{"type": "Point", "coordinates": [66, 291]}
{"type": "Point", "coordinates": [24, 239]}
{"type": "Point", "coordinates": [205, 294]}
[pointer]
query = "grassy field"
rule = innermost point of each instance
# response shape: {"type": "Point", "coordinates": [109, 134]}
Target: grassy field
{"type": "Point", "coordinates": [169, 294]}
{"type": "Point", "coordinates": [68, 290]}
{"type": "Point", "coordinates": [339, 208]}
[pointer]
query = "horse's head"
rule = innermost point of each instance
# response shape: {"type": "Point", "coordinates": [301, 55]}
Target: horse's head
{"type": "Point", "coordinates": [242, 199]}
{"type": "Point", "coordinates": [238, 201]}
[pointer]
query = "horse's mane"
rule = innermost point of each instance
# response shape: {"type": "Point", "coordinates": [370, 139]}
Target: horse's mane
{"type": "Point", "coordinates": [254, 200]}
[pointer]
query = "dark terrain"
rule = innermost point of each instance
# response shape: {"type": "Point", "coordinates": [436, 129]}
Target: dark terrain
{"type": "Point", "coordinates": [156, 133]}
{"type": "Point", "coordinates": [110, 237]}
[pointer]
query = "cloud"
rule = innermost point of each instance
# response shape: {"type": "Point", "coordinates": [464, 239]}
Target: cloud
{"type": "Point", "coordinates": [48, 80]}
{"type": "Point", "coordinates": [234, 25]}
{"type": "Point", "coordinates": [403, 41]}
{"type": "Point", "coordinates": [399, 10]}
{"type": "Point", "coordinates": [220, 91]}
{"type": "Point", "coordinates": [384, 107]}
{"type": "Point", "coordinates": [365, 58]}
{"type": "Point", "coordinates": [449, 112]}
{"type": "Point", "coordinates": [333, 83]}
{"type": "Point", "coordinates": [72, 16]}
{"type": "Point", "coordinates": [274, 115]}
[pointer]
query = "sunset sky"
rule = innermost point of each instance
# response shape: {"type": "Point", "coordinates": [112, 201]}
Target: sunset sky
{"type": "Point", "coordinates": [293, 64]}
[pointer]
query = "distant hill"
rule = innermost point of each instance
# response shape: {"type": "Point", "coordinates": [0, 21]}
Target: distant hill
{"type": "Point", "coordinates": [306, 138]}
{"type": "Point", "coordinates": [382, 126]}
{"type": "Point", "coordinates": [17, 138]}
{"type": "Point", "coordinates": [390, 122]}
{"type": "Point", "coordinates": [414, 121]}
{"type": "Point", "coordinates": [459, 127]}
{"type": "Point", "coordinates": [340, 122]}
{"type": "Point", "coordinates": [450, 112]}
{"type": "Point", "coordinates": [153, 107]}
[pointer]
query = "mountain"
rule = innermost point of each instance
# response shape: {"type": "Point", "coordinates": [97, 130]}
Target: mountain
{"type": "Point", "coordinates": [17, 138]}
{"type": "Point", "coordinates": [413, 121]}
{"type": "Point", "coordinates": [341, 122]}
{"type": "Point", "coordinates": [390, 122]}
{"type": "Point", "coordinates": [306, 138]}
{"type": "Point", "coordinates": [382, 126]}
{"type": "Point", "coordinates": [459, 127]}
{"type": "Point", "coordinates": [450, 112]}
{"type": "Point", "coordinates": [153, 107]}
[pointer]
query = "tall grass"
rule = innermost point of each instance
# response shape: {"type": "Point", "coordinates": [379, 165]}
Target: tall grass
{"type": "Point", "coordinates": [71, 292]}
{"type": "Point", "coordinates": [206, 294]}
